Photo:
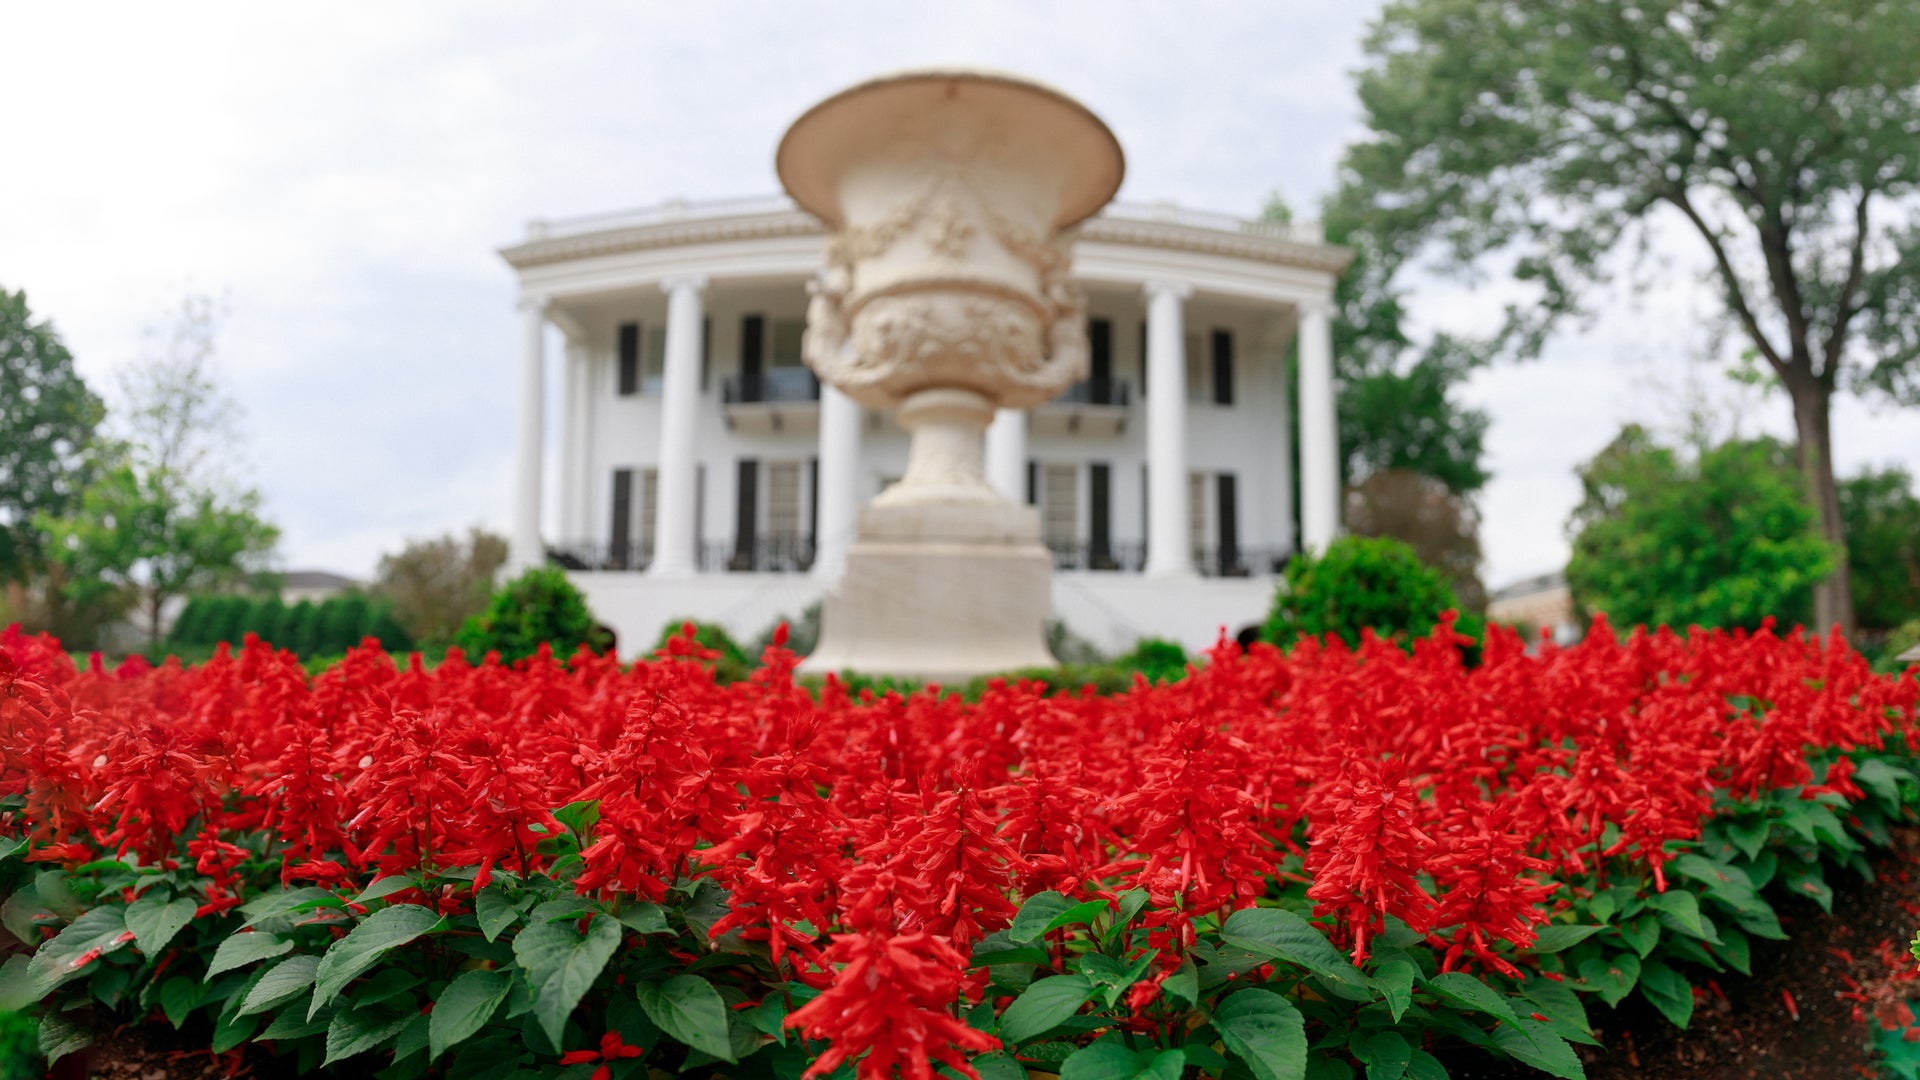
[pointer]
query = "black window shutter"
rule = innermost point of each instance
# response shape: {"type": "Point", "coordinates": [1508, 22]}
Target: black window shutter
{"type": "Point", "coordinates": [621, 540]}
{"type": "Point", "coordinates": [746, 499]}
{"type": "Point", "coordinates": [753, 336]}
{"type": "Point", "coordinates": [1223, 367]}
{"type": "Point", "coordinates": [629, 359]}
{"type": "Point", "coordinates": [1143, 359]}
{"type": "Point", "coordinates": [1100, 351]}
{"type": "Point", "coordinates": [1100, 515]}
{"type": "Point", "coordinates": [813, 504]}
{"type": "Point", "coordinates": [1228, 515]}
{"type": "Point", "coordinates": [706, 352]}
{"type": "Point", "coordinates": [1033, 482]}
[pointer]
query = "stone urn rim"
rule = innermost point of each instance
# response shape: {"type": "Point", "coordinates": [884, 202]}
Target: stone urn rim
{"type": "Point", "coordinates": [796, 165]}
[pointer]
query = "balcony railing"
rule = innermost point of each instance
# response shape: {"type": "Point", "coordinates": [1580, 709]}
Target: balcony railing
{"type": "Point", "coordinates": [779, 386]}
{"type": "Point", "coordinates": [1131, 558]}
{"type": "Point", "coordinates": [765, 555]}
{"type": "Point", "coordinates": [585, 555]}
{"type": "Point", "coordinates": [1113, 392]}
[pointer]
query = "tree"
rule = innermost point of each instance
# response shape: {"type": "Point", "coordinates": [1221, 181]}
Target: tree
{"type": "Point", "coordinates": [1358, 583]}
{"type": "Point", "coordinates": [434, 586]}
{"type": "Point", "coordinates": [1718, 537]}
{"type": "Point", "coordinates": [1783, 134]}
{"type": "Point", "coordinates": [162, 519]}
{"type": "Point", "coordinates": [47, 420]}
{"type": "Point", "coordinates": [540, 607]}
{"type": "Point", "coordinates": [1440, 525]}
{"type": "Point", "coordinates": [1883, 546]}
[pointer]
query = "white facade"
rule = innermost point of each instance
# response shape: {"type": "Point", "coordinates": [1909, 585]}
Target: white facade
{"type": "Point", "coordinates": [703, 475]}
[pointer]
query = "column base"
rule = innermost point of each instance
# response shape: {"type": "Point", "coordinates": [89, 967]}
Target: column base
{"type": "Point", "coordinates": [939, 592]}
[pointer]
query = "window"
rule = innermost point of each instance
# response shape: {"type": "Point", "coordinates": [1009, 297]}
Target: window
{"type": "Point", "coordinates": [1198, 518]}
{"type": "Point", "coordinates": [1060, 506]}
{"type": "Point", "coordinates": [629, 353]}
{"type": "Point", "coordinates": [783, 504]}
{"type": "Point", "coordinates": [786, 342]}
{"type": "Point", "coordinates": [1223, 367]}
{"type": "Point", "coordinates": [653, 366]}
{"type": "Point", "coordinates": [1196, 371]}
{"type": "Point", "coordinates": [626, 548]}
{"type": "Point", "coordinates": [1100, 516]}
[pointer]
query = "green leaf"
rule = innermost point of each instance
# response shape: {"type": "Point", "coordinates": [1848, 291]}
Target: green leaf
{"type": "Point", "coordinates": [579, 817]}
{"type": "Point", "coordinates": [1612, 978]}
{"type": "Point", "coordinates": [561, 965]}
{"type": "Point", "coordinates": [688, 1008]}
{"type": "Point", "coordinates": [1551, 939]}
{"type": "Point", "coordinates": [1043, 1006]}
{"type": "Point", "coordinates": [355, 1031]}
{"type": "Point", "coordinates": [287, 902]}
{"type": "Point", "coordinates": [179, 996]}
{"type": "Point", "coordinates": [1184, 984]}
{"type": "Point", "coordinates": [1736, 950]}
{"type": "Point", "coordinates": [1424, 1066]}
{"type": "Point", "coordinates": [998, 1066]}
{"type": "Point", "coordinates": [1387, 1055]}
{"type": "Point", "coordinates": [463, 1008]}
{"type": "Point", "coordinates": [1749, 834]}
{"type": "Point", "coordinates": [280, 983]}
{"type": "Point", "coordinates": [1132, 902]}
{"type": "Point", "coordinates": [385, 887]}
{"type": "Point", "coordinates": [292, 1023]}
{"type": "Point", "coordinates": [1394, 977]}
{"type": "Point", "coordinates": [16, 986]}
{"type": "Point", "coordinates": [644, 918]}
{"type": "Point", "coordinates": [1642, 934]}
{"type": "Point", "coordinates": [1264, 1030]}
{"type": "Point", "coordinates": [1111, 976]}
{"type": "Point", "coordinates": [412, 1038]}
{"type": "Point", "coordinates": [1669, 992]}
{"type": "Point", "coordinates": [97, 932]}
{"type": "Point", "coordinates": [246, 947]}
{"type": "Point", "coordinates": [1563, 1010]}
{"type": "Point", "coordinates": [381, 932]}
{"type": "Point", "coordinates": [1034, 916]}
{"type": "Point", "coordinates": [1535, 1044]}
{"type": "Point", "coordinates": [1113, 1061]}
{"type": "Point", "coordinates": [1881, 779]}
{"type": "Point", "coordinates": [1283, 935]}
{"type": "Point", "coordinates": [1681, 909]}
{"type": "Point", "coordinates": [60, 1036]}
{"type": "Point", "coordinates": [154, 920]}
{"type": "Point", "coordinates": [1466, 991]}
{"type": "Point", "coordinates": [494, 911]}
{"type": "Point", "coordinates": [1805, 879]}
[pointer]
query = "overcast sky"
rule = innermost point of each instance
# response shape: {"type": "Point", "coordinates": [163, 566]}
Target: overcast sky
{"type": "Point", "coordinates": [343, 173]}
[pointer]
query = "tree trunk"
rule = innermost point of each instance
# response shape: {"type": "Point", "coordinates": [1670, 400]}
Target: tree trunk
{"type": "Point", "coordinates": [1832, 597]}
{"type": "Point", "coordinates": [153, 620]}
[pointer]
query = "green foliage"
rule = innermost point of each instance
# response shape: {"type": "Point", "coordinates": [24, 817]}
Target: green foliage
{"type": "Point", "coordinates": [1158, 659]}
{"type": "Point", "coordinates": [540, 607]}
{"type": "Point", "coordinates": [19, 1044]}
{"type": "Point", "coordinates": [1887, 659]}
{"type": "Point", "coordinates": [1723, 537]}
{"type": "Point", "coordinates": [1882, 517]}
{"type": "Point", "coordinates": [434, 586]}
{"type": "Point", "coordinates": [47, 419]}
{"type": "Point", "coordinates": [803, 633]}
{"type": "Point", "coordinates": [1440, 524]}
{"type": "Point", "coordinates": [297, 636]}
{"type": "Point", "coordinates": [730, 666]}
{"type": "Point", "coordinates": [1358, 583]}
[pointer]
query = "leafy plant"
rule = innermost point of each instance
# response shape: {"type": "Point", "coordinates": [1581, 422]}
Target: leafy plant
{"type": "Point", "coordinates": [540, 607]}
{"type": "Point", "coordinates": [1358, 583]}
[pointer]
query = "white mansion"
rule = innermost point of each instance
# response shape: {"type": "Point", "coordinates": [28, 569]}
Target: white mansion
{"type": "Point", "coordinates": [704, 472]}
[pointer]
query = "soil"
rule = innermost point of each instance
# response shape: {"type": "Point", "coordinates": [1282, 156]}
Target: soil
{"type": "Point", "coordinates": [1810, 1012]}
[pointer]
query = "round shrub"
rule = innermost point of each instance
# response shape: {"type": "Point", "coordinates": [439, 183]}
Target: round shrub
{"type": "Point", "coordinates": [540, 607]}
{"type": "Point", "coordinates": [1359, 582]}
{"type": "Point", "coordinates": [1158, 659]}
{"type": "Point", "coordinates": [731, 666]}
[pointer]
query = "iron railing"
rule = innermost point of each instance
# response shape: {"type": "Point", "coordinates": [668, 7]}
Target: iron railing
{"type": "Point", "coordinates": [1113, 392]}
{"type": "Point", "coordinates": [781, 385]}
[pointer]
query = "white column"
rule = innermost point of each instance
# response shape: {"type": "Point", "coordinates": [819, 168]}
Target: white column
{"type": "Point", "coordinates": [1007, 454]}
{"type": "Point", "coordinates": [586, 469]}
{"type": "Point", "coordinates": [525, 549]}
{"type": "Point", "coordinates": [839, 511]}
{"type": "Point", "coordinates": [1169, 545]}
{"type": "Point", "coordinates": [1279, 488]}
{"type": "Point", "coordinates": [673, 554]}
{"type": "Point", "coordinates": [1319, 434]}
{"type": "Point", "coordinates": [572, 402]}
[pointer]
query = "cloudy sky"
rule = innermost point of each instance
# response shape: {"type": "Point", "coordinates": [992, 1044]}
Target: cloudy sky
{"type": "Point", "coordinates": [342, 174]}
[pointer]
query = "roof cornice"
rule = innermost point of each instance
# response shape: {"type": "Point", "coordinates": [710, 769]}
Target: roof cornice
{"type": "Point", "coordinates": [545, 251]}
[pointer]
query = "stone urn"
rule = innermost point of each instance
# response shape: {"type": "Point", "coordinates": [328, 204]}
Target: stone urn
{"type": "Point", "coordinates": [949, 197]}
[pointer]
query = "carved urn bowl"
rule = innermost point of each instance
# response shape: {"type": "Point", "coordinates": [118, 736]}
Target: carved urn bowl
{"type": "Point", "coordinates": [949, 196]}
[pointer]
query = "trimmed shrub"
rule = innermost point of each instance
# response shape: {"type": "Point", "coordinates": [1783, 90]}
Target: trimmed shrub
{"type": "Point", "coordinates": [540, 607]}
{"type": "Point", "coordinates": [1158, 659]}
{"type": "Point", "coordinates": [732, 665]}
{"type": "Point", "coordinates": [1358, 583]}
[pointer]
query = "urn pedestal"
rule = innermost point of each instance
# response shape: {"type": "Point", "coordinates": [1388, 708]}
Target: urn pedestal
{"type": "Point", "coordinates": [949, 198]}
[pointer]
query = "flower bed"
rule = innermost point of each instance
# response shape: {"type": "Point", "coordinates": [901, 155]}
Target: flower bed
{"type": "Point", "coordinates": [1292, 864]}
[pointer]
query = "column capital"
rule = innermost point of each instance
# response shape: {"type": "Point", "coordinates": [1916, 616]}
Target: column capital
{"type": "Point", "coordinates": [683, 282]}
{"type": "Point", "coordinates": [1315, 305]}
{"type": "Point", "coordinates": [535, 304]}
{"type": "Point", "coordinates": [1178, 290]}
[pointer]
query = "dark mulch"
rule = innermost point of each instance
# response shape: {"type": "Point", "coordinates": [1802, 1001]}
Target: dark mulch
{"type": "Point", "coordinates": [1801, 1017]}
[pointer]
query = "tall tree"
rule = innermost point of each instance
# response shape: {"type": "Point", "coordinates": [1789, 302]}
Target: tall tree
{"type": "Point", "coordinates": [1883, 542]}
{"type": "Point", "coordinates": [165, 517]}
{"type": "Point", "coordinates": [47, 420]}
{"type": "Point", "coordinates": [1706, 535]}
{"type": "Point", "coordinates": [436, 585]}
{"type": "Point", "coordinates": [1783, 134]}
